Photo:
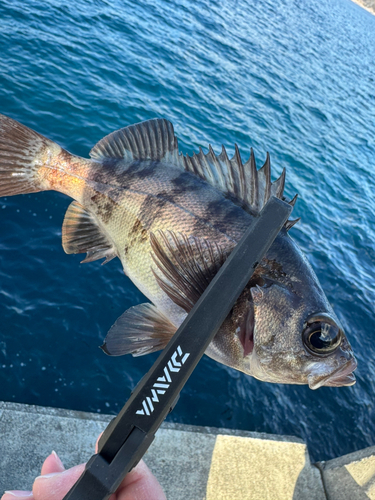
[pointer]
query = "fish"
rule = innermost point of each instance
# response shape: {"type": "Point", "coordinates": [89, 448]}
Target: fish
{"type": "Point", "coordinates": [172, 220]}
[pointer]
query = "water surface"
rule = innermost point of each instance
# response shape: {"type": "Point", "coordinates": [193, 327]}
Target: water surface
{"type": "Point", "coordinates": [293, 78]}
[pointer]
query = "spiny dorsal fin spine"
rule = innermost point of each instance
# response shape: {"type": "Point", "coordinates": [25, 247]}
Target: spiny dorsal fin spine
{"type": "Point", "coordinates": [290, 223]}
{"type": "Point", "coordinates": [227, 173]}
{"type": "Point", "coordinates": [197, 165]}
{"type": "Point", "coordinates": [266, 171]}
{"type": "Point", "coordinates": [254, 181]}
{"type": "Point", "coordinates": [218, 164]}
{"type": "Point", "coordinates": [202, 159]}
{"type": "Point", "coordinates": [293, 201]}
{"type": "Point", "coordinates": [249, 187]}
{"type": "Point", "coordinates": [279, 185]}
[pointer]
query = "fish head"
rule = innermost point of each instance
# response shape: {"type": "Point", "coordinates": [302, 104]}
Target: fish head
{"type": "Point", "coordinates": [298, 340]}
{"type": "Point", "coordinates": [282, 328]}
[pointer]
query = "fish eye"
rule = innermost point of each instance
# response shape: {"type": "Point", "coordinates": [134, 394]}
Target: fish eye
{"type": "Point", "coordinates": [321, 336]}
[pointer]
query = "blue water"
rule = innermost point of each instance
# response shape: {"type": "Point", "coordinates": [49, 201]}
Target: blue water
{"type": "Point", "coordinates": [293, 78]}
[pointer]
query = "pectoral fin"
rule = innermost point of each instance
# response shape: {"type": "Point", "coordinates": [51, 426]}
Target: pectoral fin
{"type": "Point", "coordinates": [80, 234]}
{"type": "Point", "coordinates": [185, 265]}
{"type": "Point", "coordinates": [140, 330]}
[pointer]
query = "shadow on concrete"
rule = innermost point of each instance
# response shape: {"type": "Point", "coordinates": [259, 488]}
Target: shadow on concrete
{"type": "Point", "coordinates": [339, 483]}
{"type": "Point", "coordinates": [309, 484]}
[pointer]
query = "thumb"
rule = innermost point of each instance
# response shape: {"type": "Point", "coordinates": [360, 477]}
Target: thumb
{"type": "Point", "coordinates": [56, 485]}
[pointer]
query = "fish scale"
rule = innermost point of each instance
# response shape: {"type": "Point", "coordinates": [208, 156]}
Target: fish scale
{"type": "Point", "coordinates": [172, 220]}
{"type": "Point", "coordinates": [149, 203]}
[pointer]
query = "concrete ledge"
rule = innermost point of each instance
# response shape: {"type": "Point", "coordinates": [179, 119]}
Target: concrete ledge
{"type": "Point", "coordinates": [191, 463]}
{"type": "Point", "coordinates": [350, 476]}
{"type": "Point", "coordinates": [262, 469]}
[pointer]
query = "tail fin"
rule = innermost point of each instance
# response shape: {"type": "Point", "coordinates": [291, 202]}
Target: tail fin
{"type": "Point", "coordinates": [22, 153]}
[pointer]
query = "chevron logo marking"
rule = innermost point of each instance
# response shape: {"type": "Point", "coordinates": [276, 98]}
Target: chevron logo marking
{"type": "Point", "coordinates": [145, 407]}
{"type": "Point", "coordinates": [162, 386]}
{"type": "Point", "coordinates": [150, 404]}
{"type": "Point", "coordinates": [154, 396]}
{"type": "Point", "coordinates": [167, 376]}
{"type": "Point", "coordinates": [176, 363]}
{"type": "Point", "coordinates": [163, 383]}
{"type": "Point", "coordinates": [172, 368]}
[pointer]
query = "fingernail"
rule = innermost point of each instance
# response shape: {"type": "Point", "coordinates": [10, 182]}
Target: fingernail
{"type": "Point", "coordinates": [20, 494]}
{"type": "Point", "coordinates": [58, 459]}
{"type": "Point", "coordinates": [46, 476]}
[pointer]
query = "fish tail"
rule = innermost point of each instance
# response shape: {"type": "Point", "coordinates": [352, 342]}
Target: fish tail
{"type": "Point", "coordinates": [22, 154]}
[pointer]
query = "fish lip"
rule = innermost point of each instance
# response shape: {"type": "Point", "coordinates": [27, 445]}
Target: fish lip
{"type": "Point", "coordinates": [342, 377]}
{"type": "Point", "coordinates": [345, 381]}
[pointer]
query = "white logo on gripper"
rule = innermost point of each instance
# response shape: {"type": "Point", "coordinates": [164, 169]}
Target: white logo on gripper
{"type": "Point", "coordinates": [164, 382]}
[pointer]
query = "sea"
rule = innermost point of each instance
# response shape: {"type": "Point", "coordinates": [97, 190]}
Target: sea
{"type": "Point", "coordinates": [294, 78]}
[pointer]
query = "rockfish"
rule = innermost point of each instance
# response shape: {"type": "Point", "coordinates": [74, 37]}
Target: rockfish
{"type": "Point", "coordinates": [172, 220]}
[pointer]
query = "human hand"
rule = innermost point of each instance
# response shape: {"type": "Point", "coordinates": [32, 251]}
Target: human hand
{"type": "Point", "coordinates": [54, 482]}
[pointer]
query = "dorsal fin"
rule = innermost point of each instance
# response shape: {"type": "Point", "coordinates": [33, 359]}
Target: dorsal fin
{"type": "Point", "coordinates": [80, 234]}
{"type": "Point", "coordinates": [242, 182]}
{"type": "Point", "coordinates": [185, 265]}
{"type": "Point", "coordinates": [155, 140]}
{"type": "Point", "coordinates": [148, 140]}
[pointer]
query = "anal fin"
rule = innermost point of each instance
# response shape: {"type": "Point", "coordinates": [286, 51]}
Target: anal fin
{"type": "Point", "coordinates": [140, 330]}
{"type": "Point", "coordinates": [80, 234]}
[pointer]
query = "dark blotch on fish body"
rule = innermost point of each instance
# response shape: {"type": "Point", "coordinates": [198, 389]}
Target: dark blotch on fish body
{"type": "Point", "coordinates": [137, 184]}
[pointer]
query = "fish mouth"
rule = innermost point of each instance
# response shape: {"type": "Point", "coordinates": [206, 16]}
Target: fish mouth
{"type": "Point", "coordinates": [342, 377]}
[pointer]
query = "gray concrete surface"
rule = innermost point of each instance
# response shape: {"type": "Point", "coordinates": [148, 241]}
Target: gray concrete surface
{"type": "Point", "coordinates": [350, 476]}
{"type": "Point", "coordinates": [179, 458]}
{"type": "Point", "coordinates": [191, 463]}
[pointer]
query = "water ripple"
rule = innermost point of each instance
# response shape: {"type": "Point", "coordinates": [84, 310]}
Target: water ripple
{"type": "Point", "coordinates": [295, 79]}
